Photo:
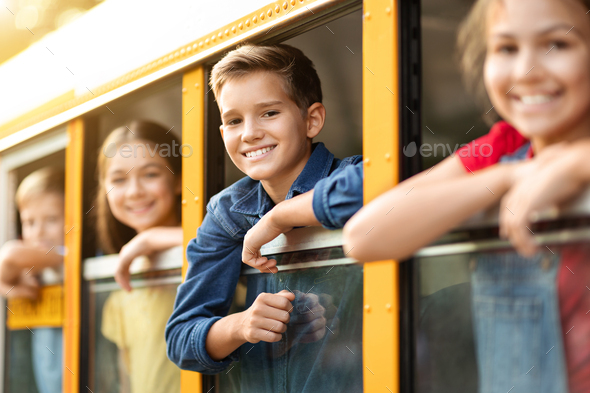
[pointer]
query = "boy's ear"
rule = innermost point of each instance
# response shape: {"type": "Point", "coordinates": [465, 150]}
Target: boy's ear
{"type": "Point", "coordinates": [316, 115]}
{"type": "Point", "coordinates": [221, 130]}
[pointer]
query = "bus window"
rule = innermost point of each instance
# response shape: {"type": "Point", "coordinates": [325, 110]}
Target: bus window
{"type": "Point", "coordinates": [336, 51]}
{"type": "Point", "coordinates": [322, 347]}
{"type": "Point", "coordinates": [123, 345]}
{"type": "Point", "coordinates": [127, 329]}
{"type": "Point", "coordinates": [319, 275]}
{"type": "Point", "coordinates": [33, 337]}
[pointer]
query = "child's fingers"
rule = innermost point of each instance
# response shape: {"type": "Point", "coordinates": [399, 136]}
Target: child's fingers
{"type": "Point", "coordinates": [270, 266]}
{"type": "Point", "coordinates": [122, 278]}
{"type": "Point", "coordinates": [288, 295]}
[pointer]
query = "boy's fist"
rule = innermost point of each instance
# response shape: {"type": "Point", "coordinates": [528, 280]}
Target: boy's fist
{"type": "Point", "coordinates": [267, 317]}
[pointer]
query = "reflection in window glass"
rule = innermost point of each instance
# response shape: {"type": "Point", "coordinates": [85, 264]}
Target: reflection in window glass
{"type": "Point", "coordinates": [322, 348]}
{"type": "Point", "coordinates": [129, 351]}
{"type": "Point", "coordinates": [19, 364]}
{"type": "Point", "coordinates": [517, 322]}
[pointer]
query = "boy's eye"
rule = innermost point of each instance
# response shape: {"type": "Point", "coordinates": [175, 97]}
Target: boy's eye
{"type": "Point", "coordinates": [152, 175]}
{"type": "Point", "coordinates": [270, 114]}
{"type": "Point", "coordinates": [233, 122]}
{"type": "Point", "coordinates": [117, 180]}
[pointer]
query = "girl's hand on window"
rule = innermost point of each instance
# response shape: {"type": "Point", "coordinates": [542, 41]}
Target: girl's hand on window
{"type": "Point", "coordinates": [138, 246]}
{"type": "Point", "coordinates": [543, 183]}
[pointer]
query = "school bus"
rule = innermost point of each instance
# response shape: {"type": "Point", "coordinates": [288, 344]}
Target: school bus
{"type": "Point", "coordinates": [389, 80]}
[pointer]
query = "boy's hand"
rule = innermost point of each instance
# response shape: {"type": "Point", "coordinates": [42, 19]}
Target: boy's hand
{"type": "Point", "coordinates": [267, 317]}
{"type": "Point", "coordinates": [263, 232]}
{"type": "Point", "coordinates": [312, 314]}
{"type": "Point", "coordinates": [540, 184]}
{"type": "Point", "coordinates": [27, 287]}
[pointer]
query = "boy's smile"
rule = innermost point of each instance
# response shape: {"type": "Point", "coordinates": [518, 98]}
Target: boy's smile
{"type": "Point", "coordinates": [537, 68]}
{"type": "Point", "coordinates": [265, 133]}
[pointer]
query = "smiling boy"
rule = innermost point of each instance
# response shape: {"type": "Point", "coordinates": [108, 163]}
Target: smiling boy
{"type": "Point", "coordinates": [270, 103]}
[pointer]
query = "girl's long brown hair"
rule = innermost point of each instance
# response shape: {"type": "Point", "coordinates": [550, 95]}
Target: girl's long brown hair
{"type": "Point", "coordinates": [113, 234]}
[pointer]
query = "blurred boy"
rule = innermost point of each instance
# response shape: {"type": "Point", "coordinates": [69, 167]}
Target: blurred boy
{"type": "Point", "coordinates": [40, 201]}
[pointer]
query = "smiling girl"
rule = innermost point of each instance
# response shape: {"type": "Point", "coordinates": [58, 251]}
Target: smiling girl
{"type": "Point", "coordinates": [138, 213]}
{"type": "Point", "coordinates": [532, 58]}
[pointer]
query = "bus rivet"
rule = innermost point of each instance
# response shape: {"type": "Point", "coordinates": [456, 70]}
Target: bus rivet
{"type": "Point", "coordinates": [367, 161]}
{"type": "Point", "coordinates": [388, 307]}
{"type": "Point", "coordinates": [196, 85]}
{"type": "Point", "coordinates": [196, 199]}
{"type": "Point", "coordinates": [233, 29]}
{"type": "Point", "coordinates": [184, 201]}
{"type": "Point", "coordinates": [367, 15]}
{"type": "Point", "coordinates": [262, 16]}
{"type": "Point", "coordinates": [293, 2]}
{"type": "Point", "coordinates": [184, 90]}
{"type": "Point", "coordinates": [285, 5]}
{"type": "Point", "coordinates": [269, 12]}
{"type": "Point", "coordinates": [388, 11]}
{"type": "Point", "coordinates": [241, 26]}
{"type": "Point", "coordinates": [277, 9]}
{"type": "Point", "coordinates": [254, 19]}
{"type": "Point", "coordinates": [387, 156]}
{"type": "Point", "coordinates": [368, 308]}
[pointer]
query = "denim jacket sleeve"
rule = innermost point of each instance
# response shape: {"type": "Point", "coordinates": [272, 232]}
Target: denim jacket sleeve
{"type": "Point", "coordinates": [337, 197]}
{"type": "Point", "coordinates": [215, 261]}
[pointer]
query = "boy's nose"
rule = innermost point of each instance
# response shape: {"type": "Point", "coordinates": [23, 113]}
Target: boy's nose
{"type": "Point", "coordinates": [252, 132]}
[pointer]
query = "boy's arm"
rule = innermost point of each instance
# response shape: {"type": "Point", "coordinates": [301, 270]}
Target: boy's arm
{"type": "Point", "coordinates": [199, 335]}
{"type": "Point", "coordinates": [330, 204]}
{"type": "Point", "coordinates": [420, 209]}
{"type": "Point", "coordinates": [15, 257]}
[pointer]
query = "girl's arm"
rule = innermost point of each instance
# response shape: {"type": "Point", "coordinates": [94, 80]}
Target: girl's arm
{"type": "Point", "coordinates": [145, 243]}
{"type": "Point", "coordinates": [419, 210]}
{"type": "Point", "coordinates": [15, 257]}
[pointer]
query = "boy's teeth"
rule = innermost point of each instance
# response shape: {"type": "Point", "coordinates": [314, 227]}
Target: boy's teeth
{"type": "Point", "coordinates": [259, 151]}
{"type": "Point", "coordinates": [536, 99]}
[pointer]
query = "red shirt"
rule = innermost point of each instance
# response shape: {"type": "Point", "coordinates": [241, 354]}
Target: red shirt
{"type": "Point", "coordinates": [573, 277]}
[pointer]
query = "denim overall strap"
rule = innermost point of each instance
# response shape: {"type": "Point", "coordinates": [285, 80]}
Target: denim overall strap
{"type": "Point", "coordinates": [517, 323]}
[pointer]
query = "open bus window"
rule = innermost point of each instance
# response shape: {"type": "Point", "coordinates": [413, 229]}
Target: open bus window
{"type": "Point", "coordinates": [33, 337]}
{"type": "Point", "coordinates": [335, 48]}
{"type": "Point", "coordinates": [322, 348]}
{"type": "Point", "coordinates": [124, 331]}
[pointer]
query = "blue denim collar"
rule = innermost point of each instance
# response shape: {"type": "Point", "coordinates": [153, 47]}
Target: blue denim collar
{"type": "Point", "coordinates": [258, 203]}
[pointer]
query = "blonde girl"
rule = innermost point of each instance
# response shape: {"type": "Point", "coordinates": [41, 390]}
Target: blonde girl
{"type": "Point", "coordinates": [138, 213]}
{"type": "Point", "coordinates": [532, 58]}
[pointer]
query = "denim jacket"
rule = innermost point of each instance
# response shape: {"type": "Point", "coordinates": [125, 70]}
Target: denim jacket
{"type": "Point", "coordinates": [215, 255]}
{"type": "Point", "coordinates": [516, 319]}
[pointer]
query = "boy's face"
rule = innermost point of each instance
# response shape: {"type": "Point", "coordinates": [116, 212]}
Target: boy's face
{"type": "Point", "coordinates": [42, 219]}
{"type": "Point", "coordinates": [537, 69]}
{"type": "Point", "coordinates": [264, 132]}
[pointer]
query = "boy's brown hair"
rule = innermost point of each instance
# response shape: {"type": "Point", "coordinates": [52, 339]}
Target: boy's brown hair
{"type": "Point", "coordinates": [113, 234]}
{"type": "Point", "coordinates": [44, 181]}
{"type": "Point", "coordinates": [472, 47]}
{"type": "Point", "coordinates": [301, 81]}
